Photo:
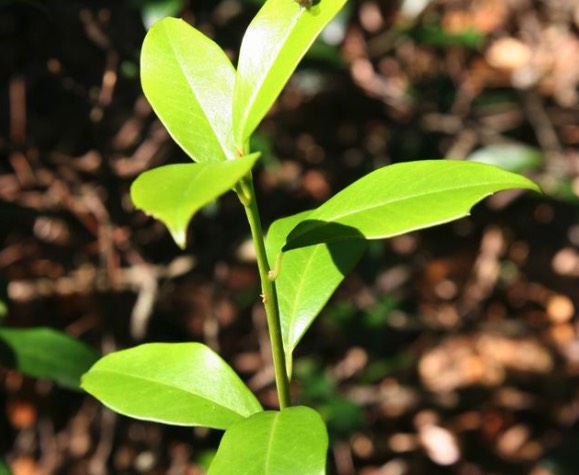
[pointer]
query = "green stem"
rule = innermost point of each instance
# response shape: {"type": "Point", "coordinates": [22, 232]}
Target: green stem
{"type": "Point", "coordinates": [269, 294]}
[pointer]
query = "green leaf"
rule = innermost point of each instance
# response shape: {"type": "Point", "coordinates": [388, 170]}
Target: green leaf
{"type": "Point", "coordinates": [175, 383]}
{"type": "Point", "coordinates": [293, 441]}
{"type": "Point", "coordinates": [404, 197]}
{"type": "Point", "coordinates": [437, 36]}
{"type": "Point", "coordinates": [46, 353]}
{"type": "Point", "coordinates": [513, 157]}
{"type": "Point", "coordinates": [4, 469]}
{"type": "Point", "coordinates": [189, 82]}
{"type": "Point", "coordinates": [174, 193]}
{"type": "Point", "coordinates": [307, 279]}
{"type": "Point", "coordinates": [274, 43]}
{"type": "Point", "coordinates": [154, 10]}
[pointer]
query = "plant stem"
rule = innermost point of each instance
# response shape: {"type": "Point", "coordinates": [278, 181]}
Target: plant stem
{"type": "Point", "coordinates": [269, 294]}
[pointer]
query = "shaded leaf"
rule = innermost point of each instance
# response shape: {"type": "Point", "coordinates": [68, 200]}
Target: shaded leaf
{"type": "Point", "coordinates": [274, 43]}
{"type": "Point", "coordinates": [293, 441]}
{"type": "Point", "coordinates": [174, 193]}
{"type": "Point", "coordinates": [403, 197]}
{"type": "Point", "coordinates": [189, 82]}
{"type": "Point", "coordinates": [435, 35]}
{"type": "Point", "coordinates": [46, 353]}
{"type": "Point", "coordinates": [175, 383]}
{"type": "Point", "coordinates": [308, 277]}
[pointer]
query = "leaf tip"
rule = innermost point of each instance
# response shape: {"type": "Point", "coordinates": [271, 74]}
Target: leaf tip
{"type": "Point", "coordinates": [180, 237]}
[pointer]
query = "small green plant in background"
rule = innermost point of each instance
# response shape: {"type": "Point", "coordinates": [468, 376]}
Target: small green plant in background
{"type": "Point", "coordinates": [45, 353]}
{"type": "Point", "coordinates": [211, 109]}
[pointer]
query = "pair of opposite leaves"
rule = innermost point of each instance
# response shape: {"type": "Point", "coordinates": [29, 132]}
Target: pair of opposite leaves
{"type": "Point", "coordinates": [210, 109]}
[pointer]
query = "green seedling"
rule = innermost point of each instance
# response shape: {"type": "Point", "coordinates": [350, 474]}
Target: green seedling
{"type": "Point", "coordinates": [211, 109]}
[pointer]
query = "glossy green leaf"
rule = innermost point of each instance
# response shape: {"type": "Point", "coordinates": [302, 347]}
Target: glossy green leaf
{"type": "Point", "coordinates": [189, 82]}
{"type": "Point", "coordinates": [175, 383]}
{"type": "Point", "coordinates": [46, 353]}
{"type": "Point", "coordinates": [307, 278]}
{"type": "Point", "coordinates": [174, 193]}
{"type": "Point", "coordinates": [404, 197]}
{"type": "Point", "coordinates": [293, 441]}
{"type": "Point", "coordinates": [274, 43]}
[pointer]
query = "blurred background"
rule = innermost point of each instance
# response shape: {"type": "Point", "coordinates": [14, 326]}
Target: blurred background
{"type": "Point", "coordinates": [449, 351]}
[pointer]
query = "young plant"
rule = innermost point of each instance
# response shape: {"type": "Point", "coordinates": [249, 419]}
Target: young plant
{"type": "Point", "coordinates": [211, 110]}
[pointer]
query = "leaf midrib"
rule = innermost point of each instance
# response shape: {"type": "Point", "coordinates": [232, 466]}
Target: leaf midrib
{"type": "Point", "coordinates": [351, 212]}
{"type": "Point", "coordinates": [258, 86]}
{"type": "Point", "coordinates": [181, 63]}
{"type": "Point", "coordinates": [164, 384]}
{"type": "Point", "coordinates": [270, 441]}
{"type": "Point", "coordinates": [298, 293]}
